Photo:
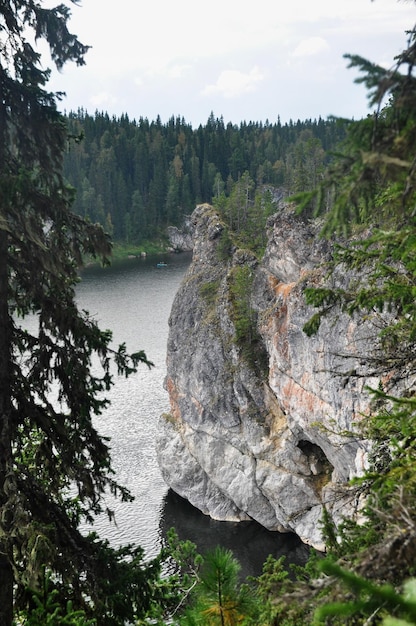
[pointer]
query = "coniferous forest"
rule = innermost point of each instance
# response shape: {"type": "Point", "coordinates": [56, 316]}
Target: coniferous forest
{"type": "Point", "coordinates": [138, 177]}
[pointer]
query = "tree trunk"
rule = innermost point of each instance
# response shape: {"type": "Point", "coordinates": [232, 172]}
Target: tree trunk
{"type": "Point", "coordinates": [6, 592]}
{"type": "Point", "coordinates": [6, 573]}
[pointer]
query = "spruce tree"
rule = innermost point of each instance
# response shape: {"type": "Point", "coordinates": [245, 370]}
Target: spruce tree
{"type": "Point", "coordinates": [368, 197]}
{"type": "Point", "coordinates": [54, 466]}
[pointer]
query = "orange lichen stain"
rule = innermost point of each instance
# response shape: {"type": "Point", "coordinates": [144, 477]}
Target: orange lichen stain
{"type": "Point", "coordinates": [304, 400]}
{"type": "Point", "coordinates": [279, 334]}
{"type": "Point", "coordinates": [385, 380]}
{"type": "Point", "coordinates": [170, 385]}
{"type": "Point", "coordinates": [284, 289]}
{"type": "Point", "coordinates": [305, 380]}
{"type": "Point", "coordinates": [279, 288]}
{"type": "Point", "coordinates": [273, 282]}
{"type": "Point", "coordinates": [173, 399]}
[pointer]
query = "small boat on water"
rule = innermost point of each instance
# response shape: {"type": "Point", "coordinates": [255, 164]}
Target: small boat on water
{"type": "Point", "coordinates": [161, 264]}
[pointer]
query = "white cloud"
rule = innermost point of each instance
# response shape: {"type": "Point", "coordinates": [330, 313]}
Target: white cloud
{"type": "Point", "coordinates": [233, 83]}
{"type": "Point", "coordinates": [103, 99]}
{"type": "Point", "coordinates": [179, 70]}
{"type": "Point", "coordinates": [310, 47]}
{"type": "Point", "coordinates": [161, 58]}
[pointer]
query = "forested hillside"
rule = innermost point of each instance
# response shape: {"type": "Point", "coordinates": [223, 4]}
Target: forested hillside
{"type": "Point", "coordinates": [137, 177]}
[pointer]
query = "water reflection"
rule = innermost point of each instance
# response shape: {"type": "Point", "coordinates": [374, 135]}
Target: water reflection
{"type": "Point", "coordinates": [249, 542]}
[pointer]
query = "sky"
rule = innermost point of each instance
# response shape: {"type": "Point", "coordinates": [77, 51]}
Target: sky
{"type": "Point", "coordinates": [243, 61]}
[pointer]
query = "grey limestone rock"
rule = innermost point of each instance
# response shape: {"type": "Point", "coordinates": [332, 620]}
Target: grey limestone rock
{"type": "Point", "coordinates": [180, 239]}
{"type": "Point", "coordinates": [265, 442]}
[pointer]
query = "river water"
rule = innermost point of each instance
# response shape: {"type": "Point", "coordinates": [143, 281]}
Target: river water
{"type": "Point", "coordinates": [133, 298]}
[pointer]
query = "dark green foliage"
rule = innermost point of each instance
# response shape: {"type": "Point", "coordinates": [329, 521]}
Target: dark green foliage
{"type": "Point", "coordinates": [56, 366]}
{"type": "Point", "coordinates": [288, 596]}
{"type": "Point", "coordinates": [131, 588]}
{"type": "Point", "coordinates": [312, 325]}
{"type": "Point", "coordinates": [209, 292]}
{"type": "Point", "coordinates": [369, 195]}
{"type": "Point", "coordinates": [137, 177]}
{"type": "Point", "coordinates": [218, 598]}
{"type": "Point", "coordinates": [244, 317]}
{"type": "Point", "coordinates": [368, 599]}
{"type": "Point", "coordinates": [225, 246]}
{"type": "Point", "coordinates": [240, 282]}
{"type": "Point", "coordinates": [372, 181]}
{"type": "Point", "coordinates": [245, 211]}
{"type": "Point", "coordinates": [46, 609]}
{"type": "Point", "coordinates": [272, 589]}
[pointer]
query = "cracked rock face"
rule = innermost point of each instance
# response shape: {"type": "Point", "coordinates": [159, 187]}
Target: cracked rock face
{"type": "Point", "coordinates": [264, 438]}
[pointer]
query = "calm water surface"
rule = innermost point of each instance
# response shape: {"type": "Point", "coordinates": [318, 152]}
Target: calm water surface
{"type": "Point", "coordinates": [133, 298]}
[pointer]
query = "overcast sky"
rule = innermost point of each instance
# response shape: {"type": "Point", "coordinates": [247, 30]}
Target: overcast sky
{"type": "Point", "coordinates": [245, 61]}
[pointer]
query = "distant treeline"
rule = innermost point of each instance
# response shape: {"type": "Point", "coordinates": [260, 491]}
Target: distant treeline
{"type": "Point", "coordinates": [137, 177]}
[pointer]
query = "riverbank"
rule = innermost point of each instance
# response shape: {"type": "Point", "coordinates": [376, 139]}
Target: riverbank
{"type": "Point", "coordinates": [122, 251]}
{"type": "Point", "coordinates": [147, 248]}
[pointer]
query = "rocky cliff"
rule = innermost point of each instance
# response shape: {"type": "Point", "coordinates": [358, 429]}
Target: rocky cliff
{"type": "Point", "coordinates": [263, 417]}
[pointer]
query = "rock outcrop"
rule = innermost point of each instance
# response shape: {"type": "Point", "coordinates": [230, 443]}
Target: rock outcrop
{"type": "Point", "coordinates": [261, 427]}
{"type": "Point", "coordinates": [181, 239]}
